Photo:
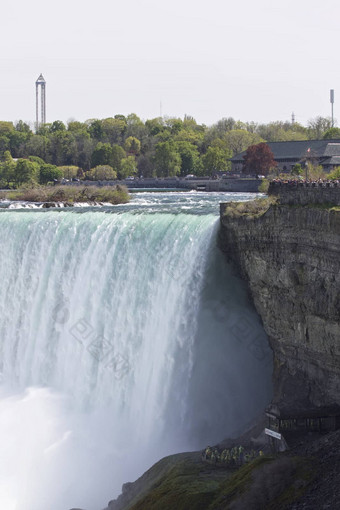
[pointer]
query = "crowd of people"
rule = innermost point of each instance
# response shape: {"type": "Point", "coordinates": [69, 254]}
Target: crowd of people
{"type": "Point", "coordinates": [235, 456]}
{"type": "Point", "coordinates": [324, 183]}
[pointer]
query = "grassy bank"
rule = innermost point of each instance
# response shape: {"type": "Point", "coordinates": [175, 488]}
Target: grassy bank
{"type": "Point", "coordinates": [70, 194]}
{"type": "Point", "coordinates": [185, 482]}
{"type": "Point", "coordinates": [253, 209]}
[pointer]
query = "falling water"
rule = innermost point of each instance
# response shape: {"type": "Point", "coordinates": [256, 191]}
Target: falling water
{"type": "Point", "coordinates": [125, 336]}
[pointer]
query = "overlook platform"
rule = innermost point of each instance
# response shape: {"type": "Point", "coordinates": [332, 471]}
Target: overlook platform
{"type": "Point", "coordinates": [304, 193]}
{"type": "Point", "coordinates": [326, 418]}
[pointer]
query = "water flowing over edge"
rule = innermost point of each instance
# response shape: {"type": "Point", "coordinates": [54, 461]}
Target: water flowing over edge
{"type": "Point", "coordinates": [108, 318]}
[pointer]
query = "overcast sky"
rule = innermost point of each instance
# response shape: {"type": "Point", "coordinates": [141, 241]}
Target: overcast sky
{"type": "Point", "coordinates": [249, 60]}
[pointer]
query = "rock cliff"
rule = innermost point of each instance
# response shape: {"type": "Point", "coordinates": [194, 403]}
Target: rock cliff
{"type": "Point", "coordinates": [290, 257]}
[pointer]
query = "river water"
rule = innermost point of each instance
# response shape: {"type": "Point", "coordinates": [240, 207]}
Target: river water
{"type": "Point", "coordinates": [125, 336]}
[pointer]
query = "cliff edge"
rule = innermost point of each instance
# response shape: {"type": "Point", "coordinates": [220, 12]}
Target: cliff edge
{"type": "Point", "coordinates": [290, 256]}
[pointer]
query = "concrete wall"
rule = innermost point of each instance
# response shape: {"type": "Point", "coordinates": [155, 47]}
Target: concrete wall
{"type": "Point", "coordinates": [232, 185]}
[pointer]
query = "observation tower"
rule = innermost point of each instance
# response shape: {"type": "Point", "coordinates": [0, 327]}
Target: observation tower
{"type": "Point", "coordinates": [42, 83]}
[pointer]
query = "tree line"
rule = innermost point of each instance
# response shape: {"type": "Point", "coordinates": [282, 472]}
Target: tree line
{"type": "Point", "coordinates": [122, 146]}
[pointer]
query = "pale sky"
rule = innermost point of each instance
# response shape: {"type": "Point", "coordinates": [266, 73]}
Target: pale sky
{"type": "Point", "coordinates": [251, 60]}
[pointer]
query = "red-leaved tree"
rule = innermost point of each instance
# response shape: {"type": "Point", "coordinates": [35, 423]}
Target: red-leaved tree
{"type": "Point", "coordinates": [259, 159]}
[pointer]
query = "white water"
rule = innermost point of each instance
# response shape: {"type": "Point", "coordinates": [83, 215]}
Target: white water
{"type": "Point", "coordinates": [124, 337]}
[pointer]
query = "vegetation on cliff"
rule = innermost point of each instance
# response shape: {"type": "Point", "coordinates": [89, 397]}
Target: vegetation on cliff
{"type": "Point", "coordinates": [184, 481]}
{"type": "Point", "coordinates": [251, 209]}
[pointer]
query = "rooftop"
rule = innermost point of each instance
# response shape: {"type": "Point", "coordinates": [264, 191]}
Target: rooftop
{"type": "Point", "coordinates": [41, 79]}
{"type": "Point", "coordinates": [299, 149]}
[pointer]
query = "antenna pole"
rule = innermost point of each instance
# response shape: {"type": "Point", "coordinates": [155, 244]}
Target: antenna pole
{"type": "Point", "coordinates": [332, 103]}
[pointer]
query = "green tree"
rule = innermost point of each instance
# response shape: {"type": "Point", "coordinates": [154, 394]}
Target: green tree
{"type": "Point", "coordinates": [315, 172]}
{"type": "Point", "coordinates": [281, 131]}
{"type": "Point", "coordinates": [135, 127]}
{"type": "Point", "coordinates": [218, 130]}
{"type": "Point", "coordinates": [84, 149]}
{"type": "Point", "coordinates": [63, 148]}
{"type": "Point", "coordinates": [6, 128]}
{"type": "Point", "coordinates": [132, 145]}
{"type": "Point", "coordinates": [318, 126]}
{"type": "Point", "coordinates": [187, 135]}
{"type": "Point", "coordinates": [7, 169]}
{"type": "Point", "coordinates": [174, 124]}
{"type": "Point", "coordinates": [215, 160]}
{"type": "Point", "coordinates": [190, 158]}
{"type": "Point", "coordinates": [57, 125]}
{"type": "Point", "coordinates": [113, 130]}
{"type": "Point", "coordinates": [38, 145]}
{"type": "Point", "coordinates": [4, 144]}
{"type": "Point", "coordinates": [48, 173]}
{"type": "Point", "coordinates": [223, 126]}
{"type": "Point", "coordinates": [163, 136]}
{"type": "Point", "coordinates": [167, 160]}
{"type": "Point", "coordinates": [23, 127]}
{"type": "Point", "coordinates": [335, 174]}
{"type": "Point", "coordinates": [190, 124]}
{"type": "Point", "coordinates": [154, 126]}
{"type": "Point", "coordinates": [297, 169]}
{"type": "Point", "coordinates": [101, 173]}
{"type": "Point", "coordinates": [96, 129]}
{"type": "Point", "coordinates": [75, 127]}
{"type": "Point", "coordinates": [128, 167]}
{"type": "Point", "coordinates": [145, 165]}
{"type": "Point", "coordinates": [69, 171]}
{"type": "Point", "coordinates": [43, 129]}
{"type": "Point", "coordinates": [333, 132]}
{"type": "Point", "coordinates": [102, 154]}
{"type": "Point", "coordinates": [238, 140]}
{"type": "Point", "coordinates": [36, 159]}
{"type": "Point", "coordinates": [19, 138]}
{"type": "Point", "coordinates": [26, 172]}
{"type": "Point", "coordinates": [118, 154]}
{"type": "Point", "coordinates": [18, 143]}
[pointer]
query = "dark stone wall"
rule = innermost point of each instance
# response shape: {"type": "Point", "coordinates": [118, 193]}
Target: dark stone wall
{"type": "Point", "coordinates": [292, 193]}
{"type": "Point", "coordinates": [230, 184]}
{"type": "Point", "coordinates": [290, 257]}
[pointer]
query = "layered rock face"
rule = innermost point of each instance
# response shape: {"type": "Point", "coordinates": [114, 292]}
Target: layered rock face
{"type": "Point", "coordinates": [290, 257]}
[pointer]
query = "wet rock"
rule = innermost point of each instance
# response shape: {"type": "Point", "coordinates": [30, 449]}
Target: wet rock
{"type": "Point", "coordinates": [290, 257]}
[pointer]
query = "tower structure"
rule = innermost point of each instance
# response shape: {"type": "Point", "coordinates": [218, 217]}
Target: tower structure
{"type": "Point", "coordinates": [42, 84]}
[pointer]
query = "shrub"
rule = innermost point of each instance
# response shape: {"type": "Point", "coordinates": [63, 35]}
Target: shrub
{"type": "Point", "coordinates": [111, 194]}
{"type": "Point", "coordinates": [263, 188]}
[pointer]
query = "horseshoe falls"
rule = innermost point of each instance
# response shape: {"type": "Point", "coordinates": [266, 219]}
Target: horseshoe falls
{"type": "Point", "coordinates": [124, 337]}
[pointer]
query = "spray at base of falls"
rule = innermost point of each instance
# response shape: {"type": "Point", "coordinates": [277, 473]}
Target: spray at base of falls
{"type": "Point", "coordinates": [124, 337]}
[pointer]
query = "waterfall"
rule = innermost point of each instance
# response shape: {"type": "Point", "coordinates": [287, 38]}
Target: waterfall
{"type": "Point", "coordinates": [124, 337]}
